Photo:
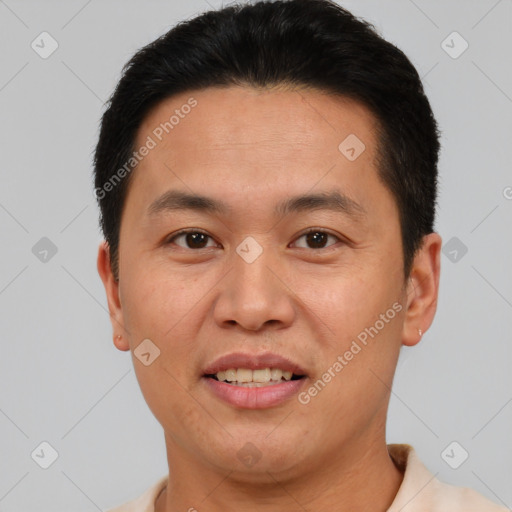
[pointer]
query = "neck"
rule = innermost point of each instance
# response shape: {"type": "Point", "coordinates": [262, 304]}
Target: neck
{"type": "Point", "coordinates": [363, 477]}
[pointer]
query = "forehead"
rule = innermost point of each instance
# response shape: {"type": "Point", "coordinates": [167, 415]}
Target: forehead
{"type": "Point", "coordinates": [223, 117]}
{"type": "Point", "coordinates": [243, 140]}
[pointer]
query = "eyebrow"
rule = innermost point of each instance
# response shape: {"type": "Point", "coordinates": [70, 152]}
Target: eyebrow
{"type": "Point", "coordinates": [333, 200]}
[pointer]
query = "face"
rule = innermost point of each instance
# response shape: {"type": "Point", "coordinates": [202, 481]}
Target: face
{"type": "Point", "coordinates": [264, 272]}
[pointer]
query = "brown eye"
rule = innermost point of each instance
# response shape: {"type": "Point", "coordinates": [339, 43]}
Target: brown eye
{"type": "Point", "coordinates": [193, 239]}
{"type": "Point", "coordinates": [317, 239]}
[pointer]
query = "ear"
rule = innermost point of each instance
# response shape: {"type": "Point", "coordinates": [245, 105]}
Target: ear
{"type": "Point", "coordinates": [112, 291]}
{"type": "Point", "coordinates": [422, 290]}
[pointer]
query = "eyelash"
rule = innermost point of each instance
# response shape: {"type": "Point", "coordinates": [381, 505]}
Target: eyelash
{"type": "Point", "coordinates": [311, 230]}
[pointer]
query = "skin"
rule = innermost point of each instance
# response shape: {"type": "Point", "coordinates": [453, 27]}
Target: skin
{"type": "Point", "coordinates": [252, 149]}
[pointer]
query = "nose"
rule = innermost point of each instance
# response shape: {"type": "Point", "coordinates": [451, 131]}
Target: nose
{"type": "Point", "coordinates": [255, 295]}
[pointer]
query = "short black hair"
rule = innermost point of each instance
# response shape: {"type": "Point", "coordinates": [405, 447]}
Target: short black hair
{"type": "Point", "coordinates": [299, 43]}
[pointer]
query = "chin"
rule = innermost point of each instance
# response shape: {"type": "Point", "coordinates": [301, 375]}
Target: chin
{"type": "Point", "coordinates": [252, 457]}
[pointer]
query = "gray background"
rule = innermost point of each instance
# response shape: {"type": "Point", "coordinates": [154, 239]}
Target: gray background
{"type": "Point", "coordinates": [61, 379]}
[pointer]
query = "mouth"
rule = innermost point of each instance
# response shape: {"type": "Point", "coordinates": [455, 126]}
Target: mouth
{"type": "Point", "coordinates": [247, 378]}
{"type": "Point", "coordinates": [251, 381]}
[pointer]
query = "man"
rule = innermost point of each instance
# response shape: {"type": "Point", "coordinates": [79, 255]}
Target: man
{"type": "Point", "coordinates": [267, 182]}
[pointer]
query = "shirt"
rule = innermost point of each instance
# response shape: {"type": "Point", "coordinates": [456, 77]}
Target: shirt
{"type": "Point", "coordinates": [420, 490]}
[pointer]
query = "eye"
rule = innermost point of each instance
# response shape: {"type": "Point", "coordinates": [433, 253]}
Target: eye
{"type": "Point", "coordinates": [317, 238]}
{"type": "Point", "coordinates": [193, 238]}
{"type": "Point", "coordinates": [196, 239]}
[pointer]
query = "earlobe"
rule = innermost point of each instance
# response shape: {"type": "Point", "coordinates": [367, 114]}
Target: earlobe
{"type": "Point", "coordinates": [112, 292]}
{"type": "Point", "coordinates": [120, 343]}
{"type": "Point", "coordinates": [422, 290]}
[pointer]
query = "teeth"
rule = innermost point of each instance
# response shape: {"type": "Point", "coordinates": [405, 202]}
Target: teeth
{"type": "Point", "coordinates": [261, 375]}
{"type": "Point", "coordinates": [244, 375]}
{"type": "Point", "coordinates": [230, 375]}
{"type": "Point", "coordinates": [276, 374]}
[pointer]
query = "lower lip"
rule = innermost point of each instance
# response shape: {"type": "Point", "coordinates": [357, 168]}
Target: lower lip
{"type": "Point", "coordinates": [254, 398]}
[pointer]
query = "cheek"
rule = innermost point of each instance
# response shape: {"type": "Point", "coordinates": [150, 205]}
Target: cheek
{"type": "Point", "coordinates": [162, 310]}
{"type": "Point", "coordinates": [156, 302]}
{"type": "Point", "coordinates": [165, 391]}
{"type": "Point", "coordinates": [347, 300]}
{"type": "Point", "coordinates": [363, 312]}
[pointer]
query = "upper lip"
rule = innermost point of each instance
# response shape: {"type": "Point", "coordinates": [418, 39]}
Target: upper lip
{"type": "Point", "coordinates": [253, 362]}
